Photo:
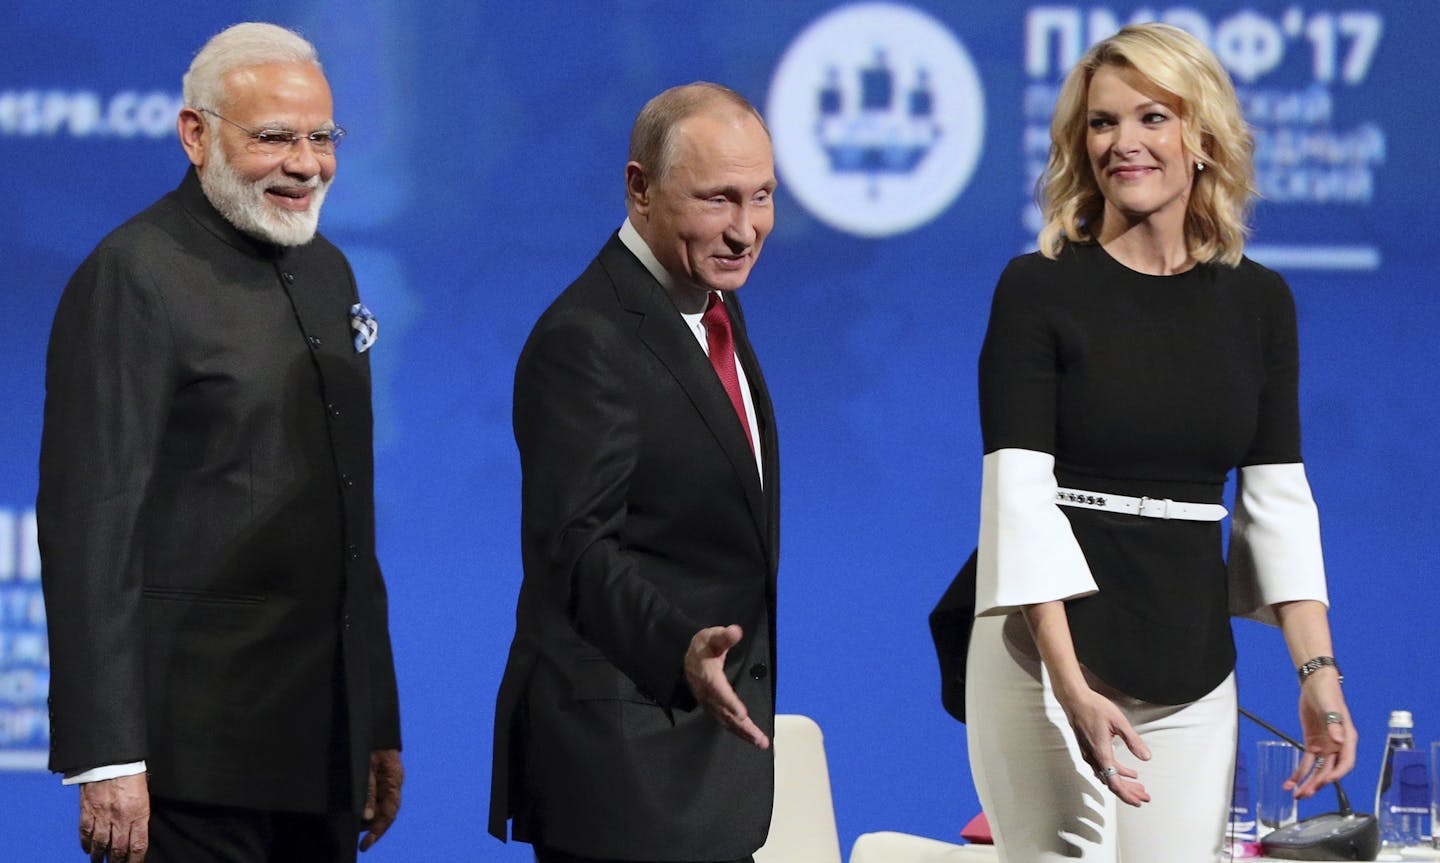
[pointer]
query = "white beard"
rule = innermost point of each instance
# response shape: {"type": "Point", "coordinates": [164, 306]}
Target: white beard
{"type": "Point", "coordinates": [243, 203]}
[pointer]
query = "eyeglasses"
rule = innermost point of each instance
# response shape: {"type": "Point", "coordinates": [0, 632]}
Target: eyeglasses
{"type": "Point", "coordinates": [276, 142]}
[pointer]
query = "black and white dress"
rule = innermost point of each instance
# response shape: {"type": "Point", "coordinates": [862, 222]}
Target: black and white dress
{"type": "Point", "coordinates": [1096, 377]}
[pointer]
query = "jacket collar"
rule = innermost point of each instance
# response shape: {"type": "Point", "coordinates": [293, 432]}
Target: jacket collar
{"type": "Point", "coordinates": [197, 204]}
{"type": "Point", "coordinates": [630, 236]}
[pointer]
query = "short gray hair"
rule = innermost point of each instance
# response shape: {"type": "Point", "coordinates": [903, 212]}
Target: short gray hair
{"type": "Point", "coordinates": [235, 47]}
{"type": "Point", "coordinates": [652, 139]}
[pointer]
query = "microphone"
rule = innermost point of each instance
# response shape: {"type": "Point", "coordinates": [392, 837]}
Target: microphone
{"type": "Point", "coordinates": [1343, 835]}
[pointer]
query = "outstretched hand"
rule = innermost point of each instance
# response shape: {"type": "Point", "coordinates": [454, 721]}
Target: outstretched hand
{"type": "Point", "coordinates": [705, 674]}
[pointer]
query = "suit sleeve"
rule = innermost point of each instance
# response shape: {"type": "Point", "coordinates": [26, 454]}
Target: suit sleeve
{"type": "Point", "coordinates": [1027, 552]}
{"type": "Point", "coordinates": [385, 710]}
{"type": "Point", "coordinates": [577, 430]}
{"type": "Point", "coordinates": [384, 692]}
{"type": "Point", "coordinates": [1275, 553]}
{"type": "Point", "coordinates": [108, 386]}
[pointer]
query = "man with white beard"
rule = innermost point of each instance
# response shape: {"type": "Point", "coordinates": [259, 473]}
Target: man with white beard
{"type": "Point", "coordinates": [222, 686]}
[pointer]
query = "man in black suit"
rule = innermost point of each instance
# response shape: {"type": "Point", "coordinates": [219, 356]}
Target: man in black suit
{"type": "Point", "coordinates": [635, 715]}
{"type": "Point", "coordinates": [222, 682]}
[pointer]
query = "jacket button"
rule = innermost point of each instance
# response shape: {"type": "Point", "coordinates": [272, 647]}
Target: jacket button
{"type": "Point", "coordinates": [289, 277]}
{"type": "Point", "coordinates": [314, 341]}
{"type": "Point", "coordinates": [758, 671]}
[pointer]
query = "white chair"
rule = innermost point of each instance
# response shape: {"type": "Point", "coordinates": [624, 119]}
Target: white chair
{"type": "Point", "coordinates": [802, 824]}
{"type": "Point", "coordinates": [888, 847]}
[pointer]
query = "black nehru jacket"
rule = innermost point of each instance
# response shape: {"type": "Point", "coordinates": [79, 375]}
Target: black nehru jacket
{"type": "Point", "coordinates": [206, 518]}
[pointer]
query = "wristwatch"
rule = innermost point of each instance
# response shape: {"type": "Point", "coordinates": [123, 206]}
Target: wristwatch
{"type": "Point", "coordinates": [1310, 666]}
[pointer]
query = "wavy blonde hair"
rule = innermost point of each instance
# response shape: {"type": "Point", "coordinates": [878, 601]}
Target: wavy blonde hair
{"type": "Point", "coordinates": [1212, 129]}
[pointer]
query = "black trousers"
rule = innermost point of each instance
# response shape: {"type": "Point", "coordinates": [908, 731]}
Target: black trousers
{"type": "Point", "coordinates": [183, 832]}
{"type": "Point", "coordinates": [546, 855]}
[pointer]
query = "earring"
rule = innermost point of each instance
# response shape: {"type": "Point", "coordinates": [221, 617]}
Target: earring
{"type": "Point", "coordinates": [1199, 166]}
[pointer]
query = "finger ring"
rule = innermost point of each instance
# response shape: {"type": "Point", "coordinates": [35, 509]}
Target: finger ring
{"type": "Point", "coordinates": [1333, 718]}
{"type": "Point", "coordinates": [1319, 762]}
{"type": "Point", "coordinates": [1107, 773]}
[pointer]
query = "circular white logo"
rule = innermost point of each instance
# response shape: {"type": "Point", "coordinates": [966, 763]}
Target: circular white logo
{"type": "Point", "coordinates": [877, 117]}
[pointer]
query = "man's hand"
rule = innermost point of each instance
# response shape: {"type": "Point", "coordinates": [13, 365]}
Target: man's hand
{"type": "Point", "coordinates": [705, 673]}
{"type": "Point", "coordinates": [115, 819]}
{"type": "Point", "coordinates": [382, 799]}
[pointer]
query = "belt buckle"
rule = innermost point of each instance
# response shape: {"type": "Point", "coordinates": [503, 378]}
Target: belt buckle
{"type": "Point", "coordinates": [1164, 507]}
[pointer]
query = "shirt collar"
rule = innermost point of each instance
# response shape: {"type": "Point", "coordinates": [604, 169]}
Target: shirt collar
{"type": "Point", "coordinates": [641, 250]}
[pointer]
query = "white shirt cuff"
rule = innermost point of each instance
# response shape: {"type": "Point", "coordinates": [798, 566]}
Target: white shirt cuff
{"type": "Point", "coordinates": [109, 771]}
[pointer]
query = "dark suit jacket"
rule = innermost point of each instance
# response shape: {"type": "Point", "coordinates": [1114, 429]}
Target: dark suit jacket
{"type": "Point", "coordinates": [643, 521]}
{"type": "Point", "coordinates": [206, 518]}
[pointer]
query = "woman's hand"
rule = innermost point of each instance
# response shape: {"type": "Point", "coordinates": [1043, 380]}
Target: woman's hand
{"type": "Point", "coordinates": [1330, 736]}
{"type": "Point", "coordinates": [1097, 721]}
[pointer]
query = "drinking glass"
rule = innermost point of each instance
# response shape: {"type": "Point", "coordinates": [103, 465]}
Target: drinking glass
{"type": "Point", "coordinates": [1274, 805]}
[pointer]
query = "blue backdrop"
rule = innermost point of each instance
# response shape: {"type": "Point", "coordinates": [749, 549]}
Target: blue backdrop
{"type": "Point", "coordinates": [483, 171]}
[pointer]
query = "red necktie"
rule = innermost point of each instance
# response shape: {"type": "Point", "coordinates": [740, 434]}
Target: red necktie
{"type": "Point", "coordinates": [722, 356]}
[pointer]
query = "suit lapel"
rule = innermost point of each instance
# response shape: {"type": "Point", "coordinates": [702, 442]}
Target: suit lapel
{"type": "Point", "coordinates": [664, 332]}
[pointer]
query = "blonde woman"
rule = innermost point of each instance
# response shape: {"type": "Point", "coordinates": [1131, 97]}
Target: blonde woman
{"type": "Point", "coordinates": [1130, 365]}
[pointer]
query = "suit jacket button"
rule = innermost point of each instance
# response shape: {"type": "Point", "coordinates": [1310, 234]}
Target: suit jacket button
{"type": "Point", "coordinates": [758, 671]}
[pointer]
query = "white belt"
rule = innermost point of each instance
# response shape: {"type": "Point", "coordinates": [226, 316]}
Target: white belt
{"type": "Point", "coordinates": [1149, 507]}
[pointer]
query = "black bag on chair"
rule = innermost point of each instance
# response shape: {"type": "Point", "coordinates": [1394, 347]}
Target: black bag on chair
{"type": "Point", "coordinates": [950, 625]}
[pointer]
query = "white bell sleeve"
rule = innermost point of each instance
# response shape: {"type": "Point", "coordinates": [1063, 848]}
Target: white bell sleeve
{"type": "Point", "coordinates": [1028, 553]}
{"type": "Point", "coordinates": [1274, 542]}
